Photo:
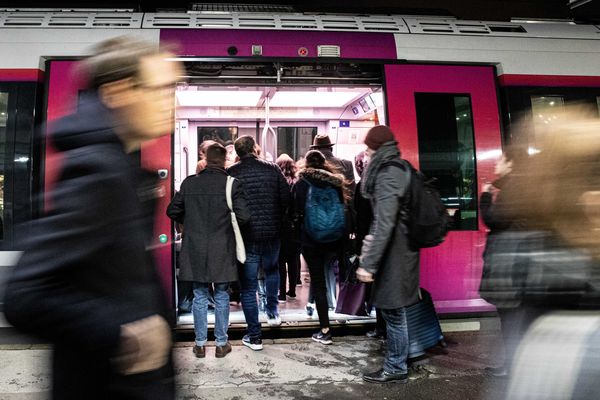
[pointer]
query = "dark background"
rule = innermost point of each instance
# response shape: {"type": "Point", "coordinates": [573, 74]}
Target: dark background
{"type": "Point", "coordinates": [495, 10]}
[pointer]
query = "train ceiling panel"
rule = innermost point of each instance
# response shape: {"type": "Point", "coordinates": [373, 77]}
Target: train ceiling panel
{"type": "Point", "coordinates": [400, 24]}
{"type": "Point", "coordinates": [70, 20]}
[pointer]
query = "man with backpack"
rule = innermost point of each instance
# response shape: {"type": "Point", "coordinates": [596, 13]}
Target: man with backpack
{"type": "Point", "coordinates": [388, 259]}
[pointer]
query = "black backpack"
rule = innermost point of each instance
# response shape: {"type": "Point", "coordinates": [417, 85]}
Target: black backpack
{"type": "Point", "coordinates": [423, 212]}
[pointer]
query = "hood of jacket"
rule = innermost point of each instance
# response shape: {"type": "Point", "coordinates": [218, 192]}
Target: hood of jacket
{"type": "Point", "coordinates": [91, 124]}
{"type": "Point", "coordinates": [322, 175]}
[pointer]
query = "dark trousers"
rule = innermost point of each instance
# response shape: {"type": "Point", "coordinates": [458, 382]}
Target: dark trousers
{"type": "Point", "coordinates": [289, 255]}
{"type": "Point", "coordinates": [317, 259]}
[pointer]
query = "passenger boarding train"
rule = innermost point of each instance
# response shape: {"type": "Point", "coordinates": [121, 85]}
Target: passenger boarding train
{"type": "Point", "coordinates": [449, 89]}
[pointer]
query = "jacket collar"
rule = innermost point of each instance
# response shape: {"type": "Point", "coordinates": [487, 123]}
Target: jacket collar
{"type": "Point", "coordinates": [322, 175]}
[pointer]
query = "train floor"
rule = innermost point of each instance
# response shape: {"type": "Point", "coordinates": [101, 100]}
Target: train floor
{"type": "Point", "coordinates": [295, 368]}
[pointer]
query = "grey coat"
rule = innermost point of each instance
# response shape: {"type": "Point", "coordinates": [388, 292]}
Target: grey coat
{"type": "Point", "coordinates": [208, 248]}
{"type": "Point", "coordinates": [385, 251]}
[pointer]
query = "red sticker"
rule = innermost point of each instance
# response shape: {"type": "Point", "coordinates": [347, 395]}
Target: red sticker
{"type": "Point", "coordinates": [302, 51]}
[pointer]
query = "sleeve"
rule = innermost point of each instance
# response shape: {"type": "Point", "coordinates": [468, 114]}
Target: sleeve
{"type": "Point", "coordinates": [44, 295]}
{"type": "Point", "coordinates": [240, 205]}
{"type": "Point", "coordinates": [176, 208]}
{"type": "Point", "coordinates": [495, 215]}
{"type": "Point", "coordinates": [390, 186]}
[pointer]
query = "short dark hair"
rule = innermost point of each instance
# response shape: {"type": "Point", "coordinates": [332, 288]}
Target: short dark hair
{"type": "Point", "coordinates": [216, 155]}
{"type": "Point", "coordinates": [244, 145]}
{"type": "Point", "coordinates": [116, 59]}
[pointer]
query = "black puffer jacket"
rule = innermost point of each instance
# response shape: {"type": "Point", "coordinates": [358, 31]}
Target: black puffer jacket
{"type": "Point", "coordinates": [267, 194]}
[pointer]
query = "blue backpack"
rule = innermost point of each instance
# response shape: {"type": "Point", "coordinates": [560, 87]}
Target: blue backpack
{"type": "Point", "coordinates": [324, 217]}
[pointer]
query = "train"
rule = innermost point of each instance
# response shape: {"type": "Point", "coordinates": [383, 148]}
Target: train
{"type": "Point", "coordinates": [450, 89]}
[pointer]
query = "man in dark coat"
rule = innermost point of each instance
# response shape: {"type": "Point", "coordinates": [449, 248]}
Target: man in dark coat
{"type": "Point", "coordinates": [386, 259]}
{"type": "Point", "coordinates": [268, 195]}
{"type": "Point", "coordinates": [86, 282]}
{"type": "Point", "coordinates": [208, 251]}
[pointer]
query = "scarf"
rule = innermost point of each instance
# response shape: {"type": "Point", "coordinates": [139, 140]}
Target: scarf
{"type": "Point", "coordinates": [386, 153]}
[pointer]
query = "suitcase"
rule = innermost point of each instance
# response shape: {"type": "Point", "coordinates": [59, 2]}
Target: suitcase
{"type": "Point", "coordinates": [424, 329]}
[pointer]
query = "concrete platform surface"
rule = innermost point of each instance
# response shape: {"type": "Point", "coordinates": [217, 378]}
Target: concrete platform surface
{"type": "Point", "coordinates": [293, 369]}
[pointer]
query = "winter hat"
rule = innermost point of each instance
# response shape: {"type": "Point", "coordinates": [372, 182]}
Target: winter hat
{"type": "Point", "coordinates": [314, 159]}
{"type": "Point", "coordinates": [377, 136]}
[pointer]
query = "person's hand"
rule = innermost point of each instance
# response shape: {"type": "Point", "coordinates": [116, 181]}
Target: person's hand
{"type": "Point", "coordinates": [487, 187]}
{"type": "Point", "coordinates": [363, 275]}
{"type": "Point", "coordinates": [145, 345]}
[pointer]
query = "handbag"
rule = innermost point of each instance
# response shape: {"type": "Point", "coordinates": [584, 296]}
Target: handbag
{"type": "Point", "coordinates": [240, 250]}
{"type": "Point", "coordinates": [353, 293]}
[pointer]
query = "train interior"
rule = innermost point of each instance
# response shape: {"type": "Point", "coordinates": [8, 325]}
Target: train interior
{"type": "Point", "coordinates": [282, 119]}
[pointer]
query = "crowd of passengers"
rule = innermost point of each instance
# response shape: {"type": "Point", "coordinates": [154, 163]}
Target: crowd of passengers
{"type": "Point", "coordinates": [269, 201]}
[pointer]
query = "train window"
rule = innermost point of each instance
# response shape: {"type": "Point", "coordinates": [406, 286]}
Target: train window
{"type": "Point", "coordinates": [545, 111]}
{"type": "Point", "coordinates": [225, 135]}
{"type": "Point", "coordinates": [294, 141]}
{"type": "Point", "coordinates": [3, 121]}
{"type": "Point", "coordinates": [598, 104]}
{"type": "Point", "coordinates": [447, 152]}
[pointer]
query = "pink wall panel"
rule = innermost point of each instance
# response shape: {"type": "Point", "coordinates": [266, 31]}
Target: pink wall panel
{"type": "Point", "coordinates": [215, 42]}
{"type": "Point", "coordinates": [452, 270]}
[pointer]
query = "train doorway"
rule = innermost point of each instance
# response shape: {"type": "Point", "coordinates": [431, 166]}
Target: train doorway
{"type": "Point", "coordinates": [283, 107]}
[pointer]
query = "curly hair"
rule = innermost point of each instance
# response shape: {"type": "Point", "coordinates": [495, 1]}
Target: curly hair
{"type": "Point", "coordinates": [288, 167]}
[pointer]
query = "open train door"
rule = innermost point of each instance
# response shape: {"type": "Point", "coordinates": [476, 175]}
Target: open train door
{"type": "Point", "coordinates": [447, 122]}
{"type": "Point", "coordinates": [64, 87]}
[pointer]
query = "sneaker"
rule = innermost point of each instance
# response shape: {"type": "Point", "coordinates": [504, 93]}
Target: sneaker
{"type": "Point", "coordinates": [291, 295]}
{"type": "Point", "coordinates": [323, 338]}
{"type": "Point", "coordinates": [281, 299]}
{"type": "Point", "coordinates": [310, 309]}
{"type": "Point", "coordinates": [254, 343]}
{"type": "Point", "coordinates": [273, 320]}
{"type": "Point", "coordinates": [199, 351]}
{"type": "Point", "coordinates": [222, 351]}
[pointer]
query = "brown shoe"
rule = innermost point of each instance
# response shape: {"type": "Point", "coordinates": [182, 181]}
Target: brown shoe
{"type": "Point", "coordinates": [199, 351]}
{"type": "Point", "coordinates": [222, 351]}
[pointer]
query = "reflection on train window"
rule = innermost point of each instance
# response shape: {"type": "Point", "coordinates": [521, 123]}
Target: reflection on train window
{"type": "Point", "coordinates": [3, 121]}
{"type": "Point", "coordinates": [224, 135]}
{"type": "Point", "coordinates": [447, 152]}
{"type": "Point", "coordinates": [545, 110]}
{"type": "Point", "coordinates": [294, 141]}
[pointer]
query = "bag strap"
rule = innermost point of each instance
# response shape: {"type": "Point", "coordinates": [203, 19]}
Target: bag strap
{"type": "Point", "coordinates": [228, 189]}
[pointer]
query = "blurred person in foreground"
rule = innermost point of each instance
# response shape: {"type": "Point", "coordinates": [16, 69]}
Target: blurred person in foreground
{"type": "Point", "coordinates": [86, 281]}
{"type": "Point", "coordinates": [556, 266]}
{"type": "Point", "coordinates": [497, 214]}
{"type": "Point", "coordinates": [387, 259]}
{"type": "Point", "coordinates": [208, 252]}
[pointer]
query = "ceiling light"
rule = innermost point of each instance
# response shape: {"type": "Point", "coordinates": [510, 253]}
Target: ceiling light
{"type": "Point", "coordinates": [313, 99]}
{"type": "Point", "coordinates": [218, 98]}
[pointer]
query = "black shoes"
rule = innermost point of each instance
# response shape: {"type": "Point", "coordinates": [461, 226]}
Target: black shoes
{"type": "Point", "coordinates": [384, 377]}
{"type": "Point", "coordinates": [375, 334]}
{"type": "Point", "coordinates": [498, 372]}
{"type": "Point", "coordinates": [323, 338]}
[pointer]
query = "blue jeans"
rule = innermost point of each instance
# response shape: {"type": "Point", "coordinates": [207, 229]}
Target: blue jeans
{"type": "Point", "coordinates": [257, 254]}
{"type": "Point", "coordinates": [397, 340]}
{"type": "Point", "coordinates": [200, 312]}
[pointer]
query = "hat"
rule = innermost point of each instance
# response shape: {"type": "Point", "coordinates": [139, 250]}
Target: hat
{"type": "Point", "coordinates": [321, 141]}
{"type": "Point", "coordinates": [377, 136]}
